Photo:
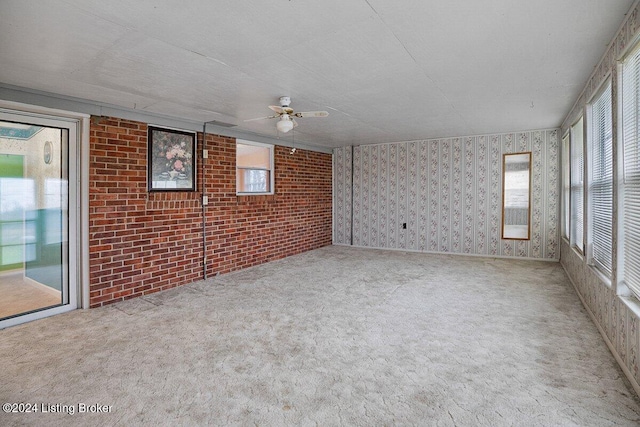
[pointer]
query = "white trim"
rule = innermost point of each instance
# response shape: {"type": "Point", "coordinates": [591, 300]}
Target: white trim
{"type": "Point", "coordinates": [618, 287]}
{"type": "Point", "coordinates": [333, 198]}
{"type": "Point", "coordinates": [12, 321]}
{"type": "Point", "coordinates": [622, 289]}
{"type": "Point", "coordinates": [588, 166]}
{"type": "Point", "coordinates": [83, 212]}
{"type": "Point", "coordinates": [565, 175]}
{"type": "Point", "coordinates": [77, 126]}
{"type": "Point", "coordinates": [14, 107]}
{"type": "Point", "coordinates": [582, 117]}
{"type": "Point", "coordinates": [272, 168]}
{"type": "Point", "coordinates": [415, 251]}
{"type": "Point", "coordinates": [576, 251]}
{"type": "Point", "coordinates": [602, 276]}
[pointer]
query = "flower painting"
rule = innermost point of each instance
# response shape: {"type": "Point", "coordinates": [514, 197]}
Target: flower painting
{"type": "Point", "coordinates": [171, 160]}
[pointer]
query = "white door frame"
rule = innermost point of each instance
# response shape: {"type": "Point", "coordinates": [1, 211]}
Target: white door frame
{"type": "Point", "coordinates": [77, 125]}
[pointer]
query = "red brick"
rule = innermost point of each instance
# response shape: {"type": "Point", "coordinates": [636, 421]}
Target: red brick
{"type": "Point", "coordinates": [143, 242]}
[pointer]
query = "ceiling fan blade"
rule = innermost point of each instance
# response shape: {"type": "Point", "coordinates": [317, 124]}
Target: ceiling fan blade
{"type": "Point", "coordinates": [276, 109]}
{"type": "Point", "coordinates": [312, 114]}
{"type": "Point", "coordinates": [262, 118]}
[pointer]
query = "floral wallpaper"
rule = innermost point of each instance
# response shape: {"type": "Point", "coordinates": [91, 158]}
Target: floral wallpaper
{"type": "Point", "coordinates": [448, 192]}
{"type": "Point", "coordinates": [608, 64]}
{"type": "Point", "coordinates": [616, 316]}
{"type": "Point", "coordinates": [342, 196]}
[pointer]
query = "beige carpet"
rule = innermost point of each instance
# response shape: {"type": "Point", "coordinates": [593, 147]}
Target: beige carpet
{"type": "Point", "coordinates": [335, 336]}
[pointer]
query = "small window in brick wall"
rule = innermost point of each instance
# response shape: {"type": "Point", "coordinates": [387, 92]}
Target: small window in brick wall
{"type": "Point", "coordinates": [254, 167]}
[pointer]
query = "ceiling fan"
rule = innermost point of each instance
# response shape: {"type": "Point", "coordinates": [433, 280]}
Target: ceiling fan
{"type": "Point", "coordinates": [286, 115]}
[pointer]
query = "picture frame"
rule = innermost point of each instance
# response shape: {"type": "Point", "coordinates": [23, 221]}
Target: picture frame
{"type": "Point", "coordinates": [171, 159]}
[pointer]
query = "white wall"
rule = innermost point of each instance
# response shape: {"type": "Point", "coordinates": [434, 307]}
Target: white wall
{"type": "Point", "coordinates": [448, 192]}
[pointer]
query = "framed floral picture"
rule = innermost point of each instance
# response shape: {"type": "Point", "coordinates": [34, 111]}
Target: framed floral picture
{"type": "Point", "coordinates": [172, 160]}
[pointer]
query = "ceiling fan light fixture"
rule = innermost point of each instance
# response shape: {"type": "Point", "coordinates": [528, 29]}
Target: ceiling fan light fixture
{"type": "Point", "coordinates": [285, 115]}
{"type": "Point", "coordinates": [285, 124]}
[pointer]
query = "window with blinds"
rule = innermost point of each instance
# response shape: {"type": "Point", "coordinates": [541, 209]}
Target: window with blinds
{"type": "Point", "coordinates": [577, 186]}
{"type": "Point", "coordinates": [566, 185]}
{"type": "Point", "coordinates": [601, 182]}
{"type": "Point", "coordinates": [630, 188]}
{"type": "Point", "coordinates": [254, 167]}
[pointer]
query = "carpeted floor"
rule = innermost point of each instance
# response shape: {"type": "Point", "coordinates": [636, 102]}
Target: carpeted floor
{"type": "Point", "coordinates": [335, 336]}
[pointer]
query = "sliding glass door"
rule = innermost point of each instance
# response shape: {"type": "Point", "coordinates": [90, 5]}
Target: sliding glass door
{"type": "Point", "coordinates": [37, 201]}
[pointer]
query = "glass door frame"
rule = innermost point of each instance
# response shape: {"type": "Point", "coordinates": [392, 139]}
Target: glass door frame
{"type": "Point", "coordinates": [76, 126]}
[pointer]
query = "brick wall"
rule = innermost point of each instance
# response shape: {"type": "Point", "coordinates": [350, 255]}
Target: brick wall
{"type": "Point", "coordinates": [142, 242]}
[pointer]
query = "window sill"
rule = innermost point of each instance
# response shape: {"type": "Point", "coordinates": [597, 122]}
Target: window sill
{"type": "Point", "coordinates": [632, 303]}
{"type": "Point", "coordinates": [255, 198]}
{"type": "Point", "coordinates": [603, 277]}
{"type": "Point", "coordinates": [577, 251]}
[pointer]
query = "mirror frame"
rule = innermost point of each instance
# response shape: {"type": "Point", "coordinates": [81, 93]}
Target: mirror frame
{"type": "Point", "coordinates": [504, 178]}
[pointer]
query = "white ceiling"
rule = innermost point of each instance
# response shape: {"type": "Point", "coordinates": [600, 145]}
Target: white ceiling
{"type": "Point", "coordinates": [385, 70]}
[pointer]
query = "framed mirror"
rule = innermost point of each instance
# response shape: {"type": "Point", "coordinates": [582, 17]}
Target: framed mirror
{"type": "Point", "coordinates": [516, 196]}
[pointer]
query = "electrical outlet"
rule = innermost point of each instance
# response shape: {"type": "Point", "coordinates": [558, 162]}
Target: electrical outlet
{"type": "Point", "coordinates": [205, 200]}
{"type": "Point", "coordinates": [205, 154]}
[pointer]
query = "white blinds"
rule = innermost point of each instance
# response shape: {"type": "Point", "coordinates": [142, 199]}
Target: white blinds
{"type": "Point", "coordinates": [566, 184]}
{"type": "Point", "coordinates": [601, 181]}
{"type": "Point", "coordinates": [577, 185]}
{"type": "Point", "coordinates": [252, 156]}
{"type": "Point", "coordinates": [631, 172]}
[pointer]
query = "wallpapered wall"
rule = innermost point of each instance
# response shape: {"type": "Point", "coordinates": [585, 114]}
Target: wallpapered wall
{"type": "Point", "coordinates": [448, 192]}
{"type": "Point", "coordinates": [615, 316]}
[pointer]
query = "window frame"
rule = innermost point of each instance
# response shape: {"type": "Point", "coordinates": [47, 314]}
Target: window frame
{"type": "Point", "coordinates": [622, 287]}
{"type": "Point", "coordinates": [270, 170]}
{"type": "Point", "coordinates": [566, 185]}
{"type": "Point", "coordinates": [594, 206]}
{"type": "Point", "coordinates": [575, 217]}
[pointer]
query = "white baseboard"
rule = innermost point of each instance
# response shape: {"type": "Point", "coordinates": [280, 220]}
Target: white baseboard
{"type": "Point", "coordinates": [612, 348]}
